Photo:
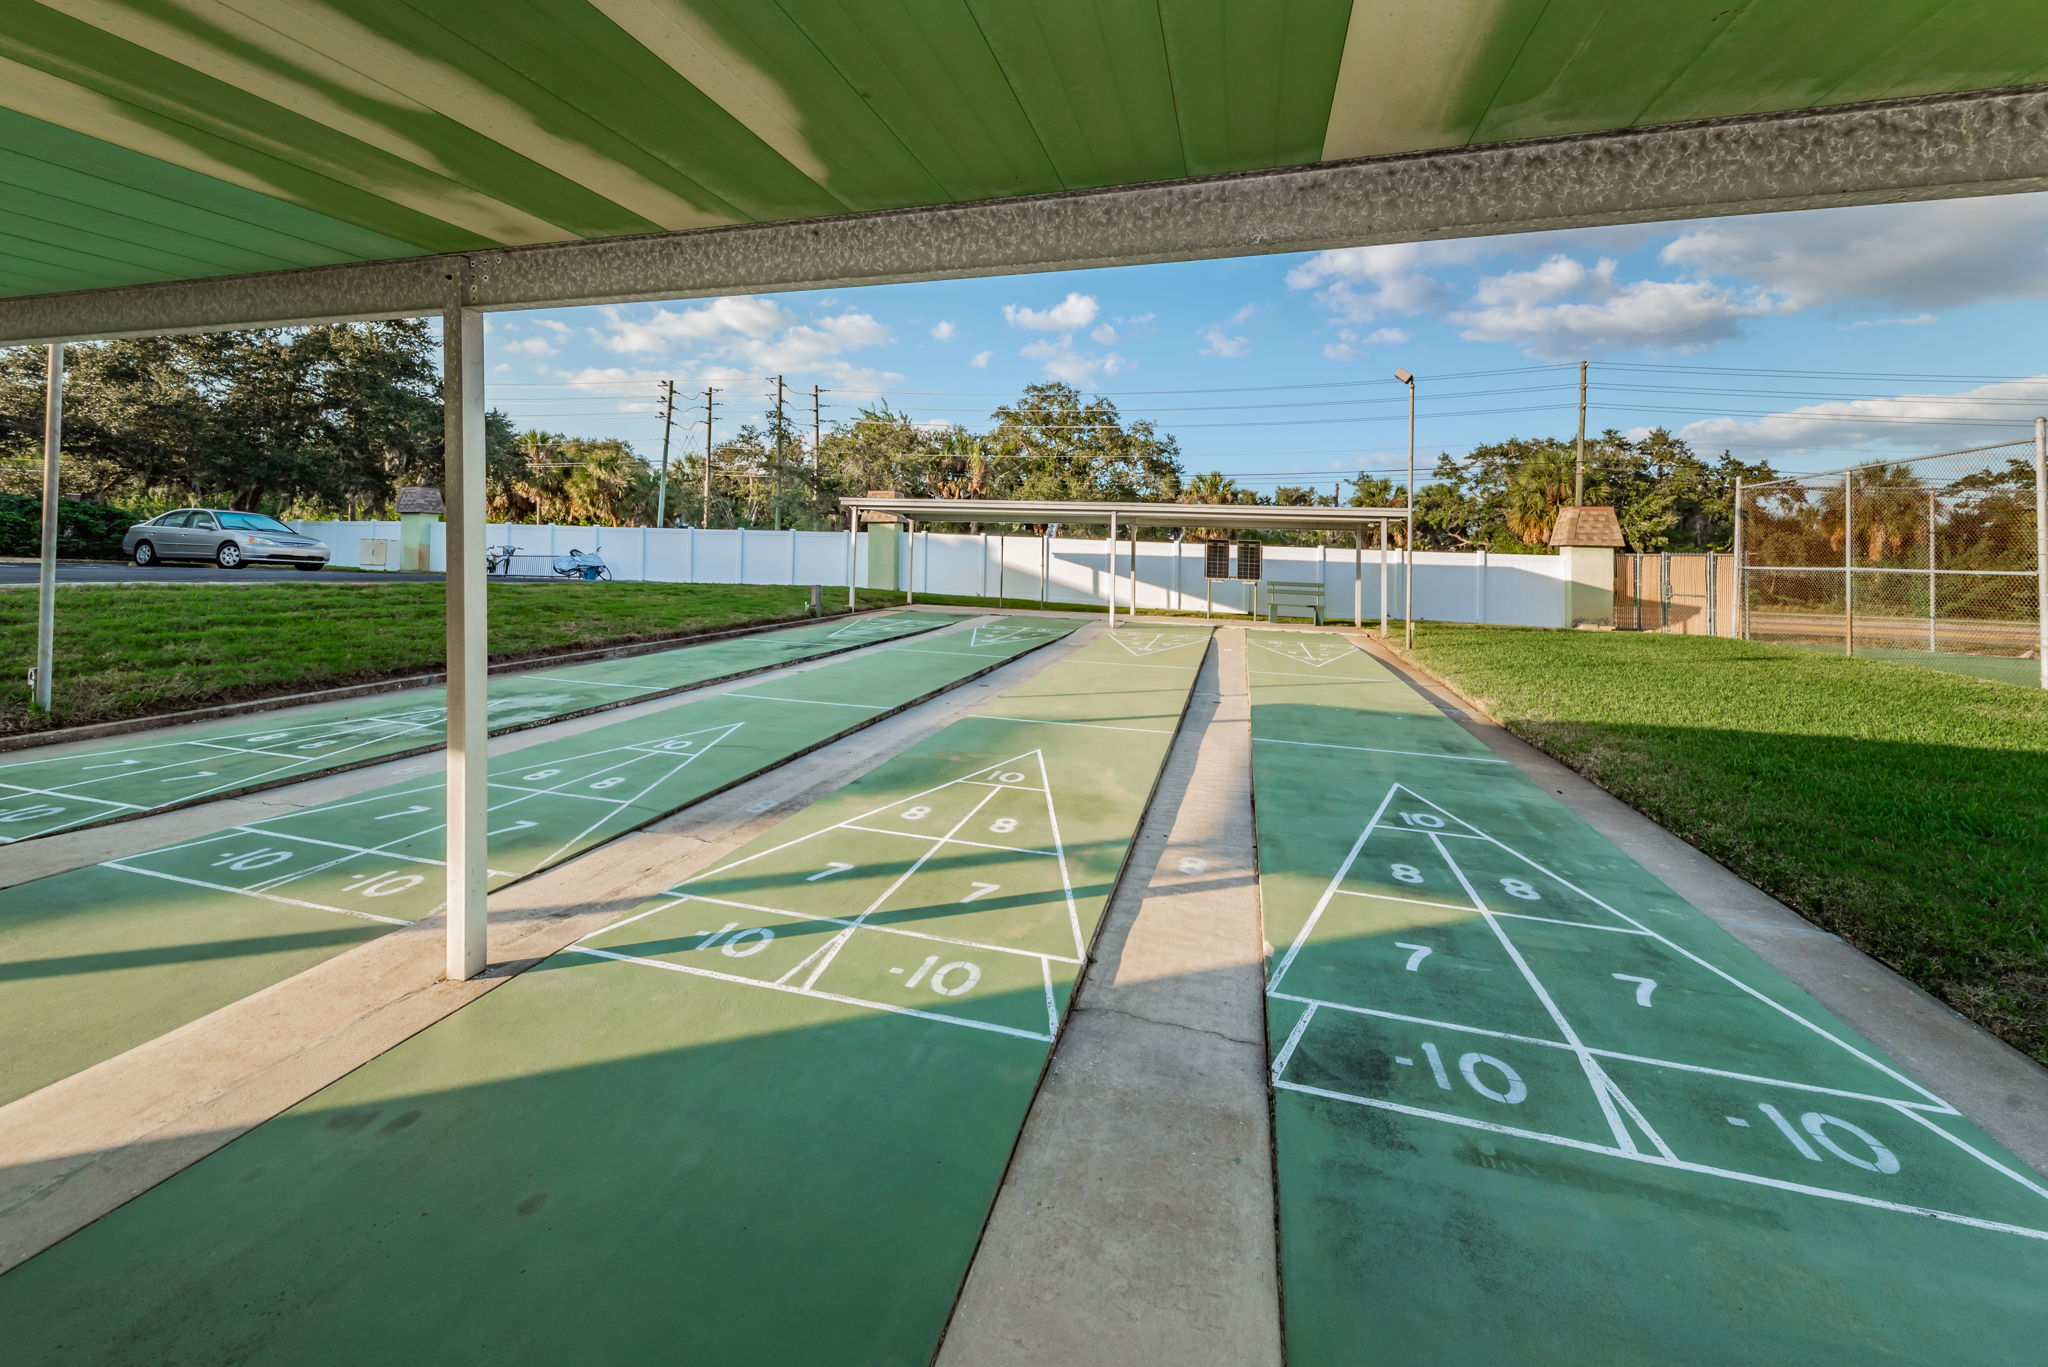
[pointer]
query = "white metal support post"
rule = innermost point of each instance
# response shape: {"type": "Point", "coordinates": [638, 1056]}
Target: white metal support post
{"type": "Point", "coordinates": [462, 398]}
{"type": "Point", "coordinates": [1385, 620]}
{"type": "Point", "coordinates": [1358, 578]}
{"type": "Point", "coordinates": [2041, 540]}
{"type": "Point", "coordinates": [1408, 528]}
{"type": "Point", "coordinates": [1933, 583]}
{"type": "Point", "coordinates": [1848, 564]}
{"type": "Point", "coordinates": [852, 555]}
{"type": "Point", "coordinates": [910, 560]}
{"type": "Point", "coordinates": [1741, 572]}
{"type": "Point", "coordinates": [46, 575]}
{"type": "Point", "coordinates": [1112, 572]}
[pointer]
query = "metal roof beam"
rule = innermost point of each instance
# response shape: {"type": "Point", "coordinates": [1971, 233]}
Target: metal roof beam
{"type": "Point", "coordinates": [1980, 142]}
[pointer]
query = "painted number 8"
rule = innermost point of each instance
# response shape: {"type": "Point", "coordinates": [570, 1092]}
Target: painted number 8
{"type": "Point", "coordinates": [1003, 825]}
{"type": "Point", "coordinates": [1407, 873]}
{"type": "Point", "coordinates": [916, 813]}
{"type": "Point", "coordinates": [1515, 887]}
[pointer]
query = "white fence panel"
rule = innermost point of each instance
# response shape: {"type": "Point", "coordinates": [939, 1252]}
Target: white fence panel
{"type": "Point", "coordinates": [1450, 586]}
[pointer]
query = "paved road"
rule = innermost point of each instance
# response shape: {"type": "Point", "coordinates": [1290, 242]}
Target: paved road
{"type": "Point", "coordinates": [24, 572]}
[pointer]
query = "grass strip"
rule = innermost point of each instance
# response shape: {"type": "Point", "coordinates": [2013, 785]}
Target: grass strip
{"type": "Point", "coordinates": [139, 650]}
{"type": "Point", "coordinates": [1900, 808]}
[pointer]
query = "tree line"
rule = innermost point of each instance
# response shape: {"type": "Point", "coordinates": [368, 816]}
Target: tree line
{"type": "Point", "coordinates": [330, 421]}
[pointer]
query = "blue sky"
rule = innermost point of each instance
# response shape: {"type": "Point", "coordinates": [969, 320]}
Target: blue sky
{"type": "Point", "coordinates": [1809, 340]}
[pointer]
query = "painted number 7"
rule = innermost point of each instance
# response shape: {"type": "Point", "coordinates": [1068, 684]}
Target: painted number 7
{"type": "Point", "coordinates": [1644, 986]}
{"type": "Point", "coordinates": [1415, 959]}
{"type": "Point", "coordinates": [830, 869]}
{"type": "Point", "coordinates": [981, 890]}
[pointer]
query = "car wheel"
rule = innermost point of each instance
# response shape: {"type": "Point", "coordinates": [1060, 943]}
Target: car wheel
{"type": "Point", "coordinates": [309, 568]}
{"type": "Point", "coordinates": [229, 556]}
{"type": "Point", "coordinates": [145, 554]}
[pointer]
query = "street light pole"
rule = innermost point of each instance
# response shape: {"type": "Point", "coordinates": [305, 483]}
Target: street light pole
{"type": "Point", "coordinates": [1408, 545]}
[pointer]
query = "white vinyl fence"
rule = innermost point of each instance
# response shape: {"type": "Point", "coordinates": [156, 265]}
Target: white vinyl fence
{"type": "Point", "coordinates": [1512, 590]}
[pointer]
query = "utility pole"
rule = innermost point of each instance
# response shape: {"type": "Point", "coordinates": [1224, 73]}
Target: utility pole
{"type": "Point", "coordinates": [668, 413]}
{"type": "Point", "coordinates": [775, 473]}
{"type": "Point", "coordinates": [1579, 462]}
{"type": "Point", "coordinates": [817, 449]}
{"type": "Point", "coordinates": [708, 392]}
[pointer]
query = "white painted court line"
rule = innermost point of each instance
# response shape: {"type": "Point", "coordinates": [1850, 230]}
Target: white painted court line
{"type": "Point", "coordinates": [1086, 725]}
{"type": "Point", "coordinates": [977, 844]}
{"type": "Point", "coordinates": [1377, 750]}
{"type": "Point", "coordinates": [966, 1021]}
{"type": "Point", "coordinates": [1604, 1091]}
{"type": "Point", "coordinates": [808, 702]}
{"type": "Point", "coordinates": [1619, 1056]}
{"type": "Point", "coordinates": [1319, 678]}
{"type": "Point", "coordinates": [1131, 664]}
{"type": "Point", "coordinates": [601, 683]}
{"type": "Point", "coordinates": [877, 926]}
{"type": "Point", "coordinates": [1676, 1164]}
{"type": "Point", "coordinates": [74, 797]}
{"type": "Point", "coordinates": [266, 896]}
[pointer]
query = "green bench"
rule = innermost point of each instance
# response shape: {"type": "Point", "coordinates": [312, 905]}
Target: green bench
{"type": "Point", "coordinates": [1294, 593]}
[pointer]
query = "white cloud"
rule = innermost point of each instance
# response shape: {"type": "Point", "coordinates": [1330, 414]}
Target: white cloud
{"type": "Point", "coordinates": [981, 359]}
{"type": "Point", "coordinates": [1359, 284]}
{"type": "Point", "coordinates": [1906, 422]}
{"type": "Point", "coordinates": [1565, 308]}
{"type": "Point", "coordinates": [527, 346]}
{"type": "Point", "coordinates": [1104, 334]}
{"type": "Point", "coordinates": [1936, 255]}
{"type": "Point", "coordinates": [944, 330]}
{"type": "Point", "coordinates": [1242, 316]}
{"type": "Point", "coordinates": [1070, 314]}
{"type": "Point", "coordinates": [554, 325]}
{"type": "Point", "coordinates": [1352, 346]}
{"type": "Point", "coordinates": [1917, 320]}
{"type": "Point", "coordinates": [1063, 361]}
{"type": "Point", "coordinates": [741, 315]}
{"type": "Point", "coordinates": [1217, 342]}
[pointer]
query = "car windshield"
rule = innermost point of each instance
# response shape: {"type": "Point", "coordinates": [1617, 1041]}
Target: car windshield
{"type": "Point", "coordinates": [253, 522]}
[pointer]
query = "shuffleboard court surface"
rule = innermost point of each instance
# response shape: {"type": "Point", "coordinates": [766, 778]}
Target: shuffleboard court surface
{"type": "Point", "coordinates": [1531, 1106]}
{"type": "Point", "coordinates": [100, 959]}
{"type": "Point", "coordinates": [129, 778]}
{"type": "Point", "coordinates": [761, 1121]}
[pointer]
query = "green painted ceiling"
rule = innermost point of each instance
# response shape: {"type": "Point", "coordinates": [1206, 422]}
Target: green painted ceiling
{"type": "Point", "coordinates": [147, 140]}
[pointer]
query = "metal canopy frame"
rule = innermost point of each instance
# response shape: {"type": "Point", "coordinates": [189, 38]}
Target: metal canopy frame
{"type": "Point", "coordinates": [1119, 516]}
{"type": "Point", "coordinates": [1934, 147]}
{"type": "Point", "coordinates": [1929, 147]}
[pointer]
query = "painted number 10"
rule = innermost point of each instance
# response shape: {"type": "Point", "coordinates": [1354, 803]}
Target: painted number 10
{"type": "Point", "coordinates": [1483, 1073]}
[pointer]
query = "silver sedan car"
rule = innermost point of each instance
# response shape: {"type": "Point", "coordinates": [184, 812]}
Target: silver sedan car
{"type": "Point", "coordinates": [229, 539]}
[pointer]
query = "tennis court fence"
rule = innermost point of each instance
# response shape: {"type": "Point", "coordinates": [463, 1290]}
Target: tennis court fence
{"type": "Point", "coordinates": [1935, 559]}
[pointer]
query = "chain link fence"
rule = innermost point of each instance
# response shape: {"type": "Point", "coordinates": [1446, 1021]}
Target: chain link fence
{"type": "Point", "coordinates": [1934, 560]}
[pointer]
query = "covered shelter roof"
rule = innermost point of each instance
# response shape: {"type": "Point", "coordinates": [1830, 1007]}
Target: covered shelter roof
{"type": "Point", "coordinates": [378, 158]}
{"type": "Point", "coordinates": [1224, 516]}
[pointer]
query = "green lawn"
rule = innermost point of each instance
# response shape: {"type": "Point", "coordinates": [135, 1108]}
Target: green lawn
{"type": "Point", "coordinates": [137, 651]}
{"type": "Point", "coordinates": [1904, 809]}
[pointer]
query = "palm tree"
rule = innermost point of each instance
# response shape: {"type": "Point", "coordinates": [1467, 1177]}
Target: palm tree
{"type": "Point", "coordinates": [1542, 484]}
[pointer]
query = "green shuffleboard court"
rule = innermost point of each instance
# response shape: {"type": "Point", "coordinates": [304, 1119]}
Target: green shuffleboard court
{"type": "Point", "coordinates": [133, 778]}
{"type": "Point", "coordinates": [1530, 1106]}
{"type": "Point", "coordinates": [760, 1121]}
{"type": "Point", "coordinates": [100, 959]}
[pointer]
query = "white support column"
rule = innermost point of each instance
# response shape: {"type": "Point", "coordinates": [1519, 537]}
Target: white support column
{"type": "Point", "coordinates": [1358, 578]}
{"type": "Point", "coordinates": [852, 555]}
{"type": "Point", "coordinates": [462, 398]}
{"type": "Point", "coordinates": [1408, 580]}
{"type": "Point", "coordinates": [46, 576]}
{"type": "Point", "coordinates": [1384, 618]}
{"type": "Point", "coordinates": [910, 561]}
{"type": "Point", "coordinates": [1112, 572]}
